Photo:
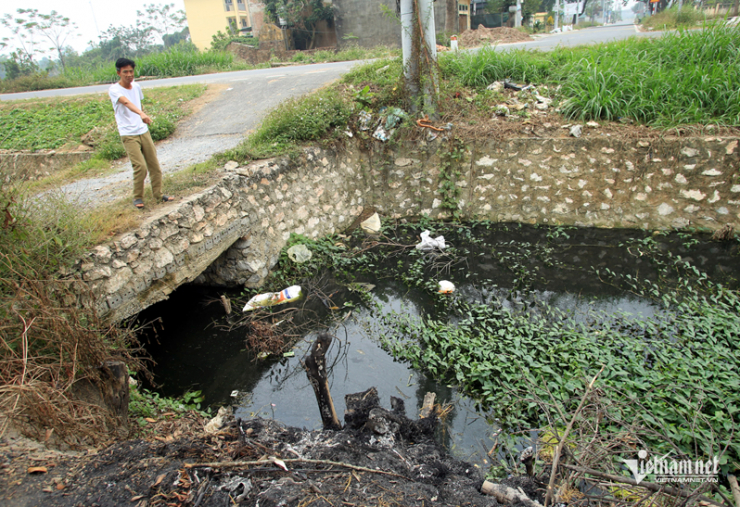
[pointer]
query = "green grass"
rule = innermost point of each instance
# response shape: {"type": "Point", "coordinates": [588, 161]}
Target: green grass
{"type": "Point", "coordinates": [316, 116]}
{"type": "Point", "coordinates": [672, 18]}
{"type": "Point", "coordinates": [684, 77]}
{"type": "Point", "coordinates": [61, 122]}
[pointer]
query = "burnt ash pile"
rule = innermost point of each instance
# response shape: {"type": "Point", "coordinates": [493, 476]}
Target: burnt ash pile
{"type": "Point", "coordinates": [381, 457]}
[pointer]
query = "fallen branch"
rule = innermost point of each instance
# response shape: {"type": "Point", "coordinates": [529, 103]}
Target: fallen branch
{"type": "Point", "coordinates": [647, 485]}
{"type": "Point", "coordinates": [559, 448]}
{"type": "Point", "coordinates": [735, 489]}
{"type": "Point", "coordinates": [230, 464]}
{"type": "Point", "coordinates": [506, 495]}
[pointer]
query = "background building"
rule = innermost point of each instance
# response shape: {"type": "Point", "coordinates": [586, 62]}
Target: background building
{"type": "Point", "coordinates": [207, 17]}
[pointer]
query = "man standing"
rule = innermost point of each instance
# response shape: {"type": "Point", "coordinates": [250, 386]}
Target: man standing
{"type": "Point", "coordinates": [132, 123]}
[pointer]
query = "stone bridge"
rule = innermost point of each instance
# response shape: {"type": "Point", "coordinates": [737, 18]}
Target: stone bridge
{"type": "Point", "coordinates": [231, 234]}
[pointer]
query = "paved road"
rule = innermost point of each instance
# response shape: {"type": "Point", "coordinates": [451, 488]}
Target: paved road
{"type": "Point", "coordinates": [594, 35]}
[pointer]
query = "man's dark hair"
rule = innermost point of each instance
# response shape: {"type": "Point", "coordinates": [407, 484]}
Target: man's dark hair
{"type": "Point", "coordinates": [125, 62]}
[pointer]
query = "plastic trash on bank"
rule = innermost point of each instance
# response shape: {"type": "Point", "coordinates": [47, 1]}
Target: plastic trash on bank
{"type": "Point", "coordinates": [394, 116]}
{"type": "Point", "coordinates": [380, 134]}
{"type": "Point", "coordinates": [299, 253]}
{"type": "Point", "coordinates": [372, 224]}
{"type": "Point", "coordinates": [429, 244]}
{"type": "Point", "coordinates": [365, 119]}
{"type": "Point", "coordinates": [446, 287]}
{"type": "Point", "coordinates": [292, 293]}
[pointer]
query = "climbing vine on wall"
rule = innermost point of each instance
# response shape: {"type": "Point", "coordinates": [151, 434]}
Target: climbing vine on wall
{"type": "Point", "coordinates": [450, 161]}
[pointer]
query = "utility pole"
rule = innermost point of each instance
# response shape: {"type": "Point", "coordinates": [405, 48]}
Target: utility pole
{"type": "Point", "coordinates": [410, 46]}
{"type": "Point", "coordinates": [518, 14]}
{"type": "Point", "coordinates": [419, 45]}
{"type": "Point", "coordinates": [557, 14]}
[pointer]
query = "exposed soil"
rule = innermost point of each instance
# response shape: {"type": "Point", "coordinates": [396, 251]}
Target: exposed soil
{"type": "Point", "coordinates": [380, 458]}
{"type": "Point", "coordinates": [483, 35]}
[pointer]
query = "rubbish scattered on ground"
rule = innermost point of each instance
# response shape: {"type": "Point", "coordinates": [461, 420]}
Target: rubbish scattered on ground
{"type": "Point", "coordinates": [217, 422]}
{"type": "Point", "coordinates": [395, 115]}
{"type": "Point", "coordinates": [496, 86]}
{"type": "Point", "coordinates": [542, 99]}
{"type": "Point", "coordinates": [428, 244]}
{"type": "Point", "coordinates": [576, 130]}
{"type": "Point", "coordinates": [516, 87]}
{"type": "Point", "coordinates": [292, 293]}
{"type": "Point", "coordinates": [541, 106]}
{"type": "Point", "coordinates": [348, 133]}
{"type": "Point", "coordinates": [502, 110]}
{"type": "Point", "coordinates": [238, 488]}
{"type": "Point", "coordinates": [446, 287]}
{"type": "Point", "coordinates": [383, 69]}
{"type": "Point", "coordinates": [365, 119]}
{"type": "Point", "coordinates": [372, 224]}
{"type": "Point", "coordinates": [593, 124]}
{"type": "Point", "coordinates": [289, 354]}
{"type": "Point", "coordinates": [299, 253]}
{"type": "Point", "coordinates": [426, 123]}
{"type": "Point", "coordinates": [380, 134]}
{"type": "Point", "coordinates": [37, 470]}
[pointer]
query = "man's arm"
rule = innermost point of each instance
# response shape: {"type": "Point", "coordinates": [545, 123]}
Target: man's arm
{"type": "Point", "coordinates": [130, 105]}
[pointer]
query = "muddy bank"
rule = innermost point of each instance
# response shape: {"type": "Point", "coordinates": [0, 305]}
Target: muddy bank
{"type": "Point", "coordinates": [381, 457]}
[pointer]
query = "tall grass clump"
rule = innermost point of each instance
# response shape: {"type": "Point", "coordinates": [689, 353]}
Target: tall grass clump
{"type": "Point", "coordinates": [684, 77]}
{"type": "Point", "coordinates": [672, 18]}
{"type": "Point", "coordinates": [52, 337]}
{"type": "Point", "coordinates": [481, 68]}
{"type": "Point", "coordinates": [182, 62]}
{"type": "Point", "coordinates": [294, 121]}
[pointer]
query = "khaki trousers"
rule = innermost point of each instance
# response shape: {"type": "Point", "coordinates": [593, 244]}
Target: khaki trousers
{"type": "Point", "coordinates": [143, 156]}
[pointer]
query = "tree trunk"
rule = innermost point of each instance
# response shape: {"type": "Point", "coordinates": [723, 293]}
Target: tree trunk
{"type": "Point", "coordinates": [451, 18]}
{"type": "Point", "coordinates": [315, 365]}
{"type": "Point", "coordinates": [735, 7]}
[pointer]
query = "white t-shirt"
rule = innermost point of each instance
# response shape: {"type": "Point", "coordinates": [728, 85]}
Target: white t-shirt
{"type": "Point", "coordinates": [129, 123]}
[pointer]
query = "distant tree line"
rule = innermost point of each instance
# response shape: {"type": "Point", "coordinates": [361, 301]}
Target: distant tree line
{"type": "Point", "coordinates": [33, 35]}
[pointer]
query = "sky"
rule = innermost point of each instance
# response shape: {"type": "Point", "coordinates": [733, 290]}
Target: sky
{"type": "Point", "coordinates": [89, 15]}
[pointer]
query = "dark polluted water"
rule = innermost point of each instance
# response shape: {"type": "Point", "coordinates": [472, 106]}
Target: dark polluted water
{"type": "Point", "coordinates": [510, 264]}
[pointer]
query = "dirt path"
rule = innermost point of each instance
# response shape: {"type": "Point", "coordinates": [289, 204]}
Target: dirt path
{"type": "Point", "coordinates": [229, 111]}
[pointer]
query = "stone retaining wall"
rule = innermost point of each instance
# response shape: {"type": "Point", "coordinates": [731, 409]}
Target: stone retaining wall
{"type": "Point", "coordinates": [232, 233]}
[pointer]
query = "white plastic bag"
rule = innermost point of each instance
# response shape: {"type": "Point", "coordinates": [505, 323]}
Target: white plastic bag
{"type": "Point", "coordinates": [299, 253]}
{"type": "Point", "coordinates": [429, 244]}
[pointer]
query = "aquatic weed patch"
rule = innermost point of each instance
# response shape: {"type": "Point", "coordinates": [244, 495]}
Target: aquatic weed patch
{"type": "Point", "coordinates": [673, 373]}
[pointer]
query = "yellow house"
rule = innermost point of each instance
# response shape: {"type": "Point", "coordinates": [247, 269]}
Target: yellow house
{"type": "Point", "coordinates": [206, 17]}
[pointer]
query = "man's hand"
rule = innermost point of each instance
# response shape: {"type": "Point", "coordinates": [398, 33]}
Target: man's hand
{"type": "Point", "coordinates": [145, 118]}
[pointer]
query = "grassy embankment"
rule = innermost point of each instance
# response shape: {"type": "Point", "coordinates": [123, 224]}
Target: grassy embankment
{"type": "Point", "coordinates": [177, 62]}
{"type": "Point", "coordinates": [681, 79]}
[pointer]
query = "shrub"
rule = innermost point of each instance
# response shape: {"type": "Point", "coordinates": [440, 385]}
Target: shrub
{"type": "Point", "coordinates": [305, 119]}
